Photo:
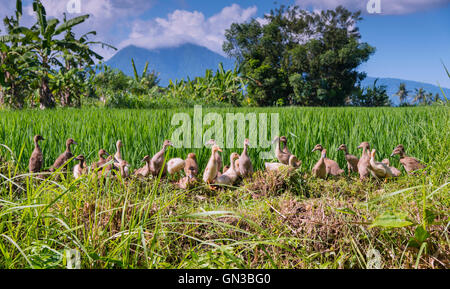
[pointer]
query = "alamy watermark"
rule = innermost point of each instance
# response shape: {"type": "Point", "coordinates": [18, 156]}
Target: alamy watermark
{"type": "Point", "coordinates": [73, 258]}
{"type": "Point", "coordinates": [374, 6]}
{"type": "Point", "coordinates": [191, 133]}
{"type": "Point", "coordinates": [73, 6]}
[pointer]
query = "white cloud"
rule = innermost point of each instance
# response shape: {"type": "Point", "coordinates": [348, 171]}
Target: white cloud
{"type": "Point", "coordinates": [387, 6]}
{"type": "Point", "coordinates": [183, 26]}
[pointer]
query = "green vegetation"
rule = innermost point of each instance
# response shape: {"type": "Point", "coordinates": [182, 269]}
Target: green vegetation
{"type": "Point", "coordinates": [286, 220]}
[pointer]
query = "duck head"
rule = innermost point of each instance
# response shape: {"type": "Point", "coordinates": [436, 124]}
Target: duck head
{"type": "Point", "coordinates": [80, 158]}
{"type": "Point", "coordinates": [246, 142]}
{"type": "Point", "coordinates": [167, 143]}
{"type": "Point", "coordinates": [342, 147]}
{"type": "Point", "coordinates": [364, 145]}
{"type": "Point", "coordinates": [216, 148]}
{"type": "Point", "coordinates": [146, 159]}
{"type": "Point", "coordinates": [71, 142]}
{"type": "Point", "coordinates": [192, 156]}
{"type": "Point", "coordinates": [38, 138]}
{"type": "Point", "coordinates": [399, 150]}
{"type": "Point", "coordinates": [102, 153]}
{"type": "Point", "coordinates": [119, 144]}
{"type": "Point", "coordinates": [318, 147]}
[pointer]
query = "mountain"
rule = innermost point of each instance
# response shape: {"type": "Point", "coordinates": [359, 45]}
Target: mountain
{"type": "Point", "coordinates": [193, 60]}
{"type": "Point", "coordinates": [392, 85]}
{"type": "Point", "coordinates": [171, 63]}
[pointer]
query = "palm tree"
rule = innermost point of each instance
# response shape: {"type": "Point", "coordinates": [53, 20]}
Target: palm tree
{"type": "Point", "coordinates": [422, 96]}
{"type": "Point", "coordinates": [402, 93]}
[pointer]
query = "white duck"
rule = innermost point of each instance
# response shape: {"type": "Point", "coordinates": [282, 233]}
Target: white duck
{"type": "Point", "coordinates": [279, 166]}
{"type": "Point", "coordinates": [377, 169]}
{"type": "Point", "coordinates": [80, 168]}
{"type": "Point", "coordinates": [230, 176]}
{"type": "Point", "coordinates": [175, 165]}
{"type": "Point", "coordinates": [212, 168]}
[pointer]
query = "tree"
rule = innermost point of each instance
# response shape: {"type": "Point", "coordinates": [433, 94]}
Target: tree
{"type": "Point", "coordinates": [371, 96]}
{"type": "Point", "coordinates": [299, 57]}
{"type": "Point", "coordinates": [402, 93]}
{"type": "Point", "coordinates": [422, 97]}
{"type": "Point", "coordinates": [49, 51]}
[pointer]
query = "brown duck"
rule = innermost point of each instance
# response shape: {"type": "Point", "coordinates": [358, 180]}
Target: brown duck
{"type": "Point", "coordinates": [64, 157]}
{"type": "Point", "coordinates": [245, 164]}
{"type": "Point", "coordinates": [101, 161]}
{"type": "Point", "coordinates": [320, 169]}
{"type": "Point", "coordinates": [36, 159]}
{"type": "Point", "coordinates": [331, 166]}
{"type": "Point", "coordinates": [156, 163]}
{"type": "Point", "coordinates": [409, 163]}
{"type": "Point", "coordinates": [364, 161]}
{"type": "Point", "coordinates": [145, 170]}
{"type": "Point", "coordinates": [352, 161]}
{"type": "Point", "coordinates": [190, 165]}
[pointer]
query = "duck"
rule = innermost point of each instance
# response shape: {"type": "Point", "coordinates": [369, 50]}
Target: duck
{"type": "Point", "coordinates": [157, 161]}
{"type": "Point", "coordinates": [377, 169]}
{"type": "Point", "coordinates": [118, 158]}
{"type": "Point", "coordinates": [396, 172]}
{"type": "Point", "coordinates": [293, 164]}
{"type": "Point", "coordinates": [285, 149]}
{"type": "Point", "coordinates": [331, 166]}
{"type": "Point", "coordinates": [352, 161]}
{"type": "Point", "coordinates": [190, 178]}
{"type": "Point", "coordinates": [122, 165]}
{"type": "Point", "coordinates": [102, 160]}
{"type": "Point", "coordinates": [212, 142]}
{"type": "Point", "coordinates": [410, 164]}
{"type": "Point", "coordinates": [364, 161]}
{"type": "Point", "coordinates": [210, 173]}
{"type": "Point", "coordinates": [145, 170]}
{"type": "Point", "coordinates": [190, 164]}
{"type": "Point", "coordinates": [64, 157]}
{"type": "Point", "coordinates": [231, 175]}
{"type": "Point", "coordinates": [320, 169]}
{"type": "Point", "coordinates": [80, 168]}
{"type": "Point", "coordinates": [282, 156]}
{"type": "Point", "coordinates": [245, 164]}
{"type": "Point", "coordinates": [175, 165]}
{"type": "Point", "coordinates": [37, 158]}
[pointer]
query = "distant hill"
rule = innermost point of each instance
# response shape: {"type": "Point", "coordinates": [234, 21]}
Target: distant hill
{"type": "Point", "coordinates": [171, 63]}
{"type": "Point", "coordinates": [193, 60]}
{"type": "Point", "coordinates": [394, 83]}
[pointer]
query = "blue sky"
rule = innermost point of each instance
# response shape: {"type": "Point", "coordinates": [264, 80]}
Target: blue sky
{"type": "Point", "coordinates": [411, 36]}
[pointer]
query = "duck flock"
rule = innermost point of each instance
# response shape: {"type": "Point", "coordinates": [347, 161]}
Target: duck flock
{"type": "Point", "coordinates": [217, 174]}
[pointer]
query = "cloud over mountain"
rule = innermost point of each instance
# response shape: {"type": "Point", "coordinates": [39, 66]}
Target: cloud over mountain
{"type": "Point", "coordinates": [183, 26]}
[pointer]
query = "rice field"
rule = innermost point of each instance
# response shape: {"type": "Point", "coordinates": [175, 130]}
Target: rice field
{"type": "Point", "coordinates": [423, 131]}
{"type": "Point", "coordinates": [285, 220]}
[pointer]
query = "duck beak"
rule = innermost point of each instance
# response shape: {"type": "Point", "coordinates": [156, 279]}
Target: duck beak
{"type": "Point", "coordinates": [392, 155]}
{"type": "Point", "coordinates": [220, 150]}
{"type": "Point", "coordinates": [313, 150]}
{"type": "Point", "coordinates": [275, 140]}
{"type": "Point", "coordinates": [75, 143]}
{"type": "Point", "coordinates": [107, 154]}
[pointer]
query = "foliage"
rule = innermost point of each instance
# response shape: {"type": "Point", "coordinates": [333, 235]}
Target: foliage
{"type": "Point", "coordinates": [370, 96]}
{"type": "Point", "coordinates": [298, 57]}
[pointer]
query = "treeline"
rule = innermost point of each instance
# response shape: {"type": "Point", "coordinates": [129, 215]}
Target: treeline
{"type": "Point", "coordinates": [292, 57]}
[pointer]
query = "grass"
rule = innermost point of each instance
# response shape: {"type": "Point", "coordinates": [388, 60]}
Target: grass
{"type": "Point", "coordinates": [286, 220]}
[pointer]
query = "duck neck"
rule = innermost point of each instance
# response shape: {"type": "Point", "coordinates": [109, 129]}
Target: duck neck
{"type": "Point", "coordinates": [36, 144]}
{"type": "Point", "coordinates": [245, 149]}
{"type": "Point", "coordinates": [346, 150]}
{"type": "Point", "coordinates": [232, 165]}
{"type": "Point", "coordinates": [68, 148]}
